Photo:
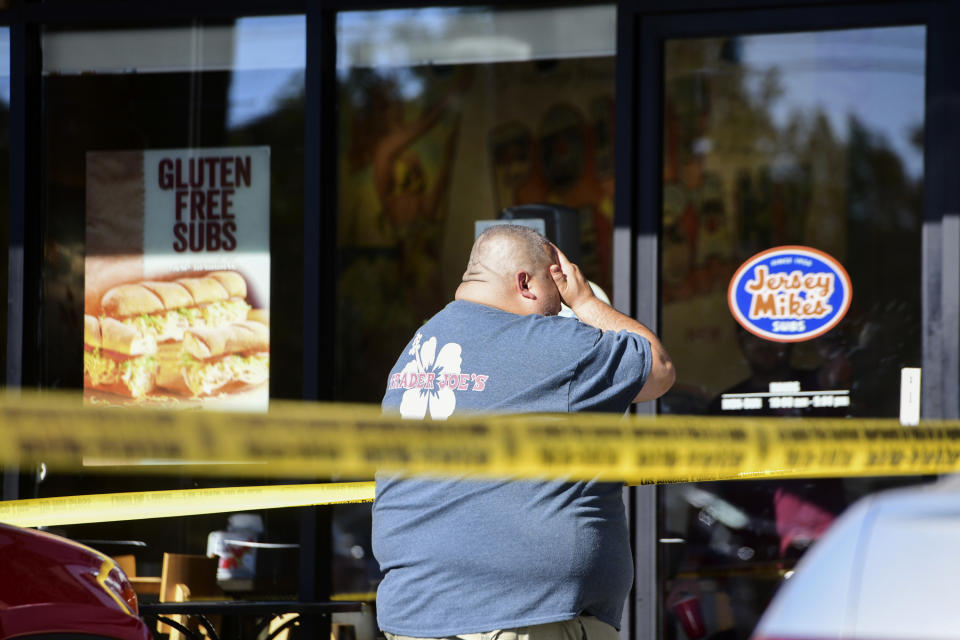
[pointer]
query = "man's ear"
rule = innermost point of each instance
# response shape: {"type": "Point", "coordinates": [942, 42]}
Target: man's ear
{"type": "Point", "coordinates": [523, 285]}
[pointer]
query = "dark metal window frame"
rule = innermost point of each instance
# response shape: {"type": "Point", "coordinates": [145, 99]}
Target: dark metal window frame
{"type": "Point", "coordinates": [641, 27]}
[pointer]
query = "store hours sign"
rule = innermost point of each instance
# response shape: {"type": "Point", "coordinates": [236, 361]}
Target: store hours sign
{"type": "Point", "coordinates": [790, 294]}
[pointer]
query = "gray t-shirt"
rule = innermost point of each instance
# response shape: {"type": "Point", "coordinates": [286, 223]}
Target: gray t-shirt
{"type": "Point", "coordinates": [466, 556]}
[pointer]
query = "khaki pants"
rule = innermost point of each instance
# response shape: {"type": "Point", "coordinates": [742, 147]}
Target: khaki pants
{"type": "Point", "coordinates": [581, 628]}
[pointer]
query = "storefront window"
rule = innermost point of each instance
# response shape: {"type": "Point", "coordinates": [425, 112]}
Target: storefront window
{"type": "Point", "coordinates": [807, 146]}
{"type": "Point", "coordinates": [448, 117]}
{"type": "Point", "coordinates": [173, 168]}
{"type": "Point", "coordinates": [4, 180]}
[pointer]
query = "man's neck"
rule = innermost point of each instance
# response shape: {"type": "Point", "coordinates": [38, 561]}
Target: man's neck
{"type": "Point", "coordinates": [483, 293]}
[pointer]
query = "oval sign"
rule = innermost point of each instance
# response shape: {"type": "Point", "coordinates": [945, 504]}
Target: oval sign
{"type": "Point", "coordinates": [790, 294]}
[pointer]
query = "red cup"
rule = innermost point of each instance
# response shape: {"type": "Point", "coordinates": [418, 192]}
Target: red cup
{"type": "Point", "coordinates": [691, 617]}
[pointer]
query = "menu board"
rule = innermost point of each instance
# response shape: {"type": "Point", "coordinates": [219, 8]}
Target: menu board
{"type": "Point", "coordinates": [177, 278]}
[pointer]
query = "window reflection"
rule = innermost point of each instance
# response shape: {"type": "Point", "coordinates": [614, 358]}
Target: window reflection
{"type": "Point", "coordinates": [811, 139]}
{"type": "Point", "coordinates": [447, 117]}
{"type": "Point", "coordinates": [237, 83]}
{"type": "Point", "coordinates": [231, 83]}
{"type": "Point", "coordinates": [4, 180]}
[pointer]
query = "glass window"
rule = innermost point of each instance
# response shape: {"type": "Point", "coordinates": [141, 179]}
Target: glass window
{"type": "Point", "coordinates": [172, 152]}
{"type": "Point", "coordinates": [448, 117]}
{"type": "Point", "coordinates": [4, 183]}
{"type": "Point", "coordinates": [811, 141]}
{"type": "Point", "coordinates": [236, 87]}
{"type": "Point", "coordinates": [9, 483]}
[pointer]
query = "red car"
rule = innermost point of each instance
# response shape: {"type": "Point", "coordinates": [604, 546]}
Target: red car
{"type": "Point", "coordinates": [54, 587]}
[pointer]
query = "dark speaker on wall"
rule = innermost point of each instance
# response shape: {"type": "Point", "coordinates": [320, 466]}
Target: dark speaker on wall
{"type": "Point", "coordinates": [561, 224]}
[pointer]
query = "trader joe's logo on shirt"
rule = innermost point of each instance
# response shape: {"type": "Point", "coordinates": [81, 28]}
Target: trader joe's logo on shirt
{"type": "Point", "coordinates": [790, 294]}
{"type": "Point", "coordinates": [431, 380]}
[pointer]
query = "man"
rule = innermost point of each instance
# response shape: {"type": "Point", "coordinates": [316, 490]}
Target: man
{"type": "Point", "coordinates": [517, 559]}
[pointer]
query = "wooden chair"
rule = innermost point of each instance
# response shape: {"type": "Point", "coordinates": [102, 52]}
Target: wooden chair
{"type": "Point", "coordinates": [186, 577]}
{"type": "Point", "coordinates": [127, 564]}
{"type": "Point", "coordinates": [143, 585]}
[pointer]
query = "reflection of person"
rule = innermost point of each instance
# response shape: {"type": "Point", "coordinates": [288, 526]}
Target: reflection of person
{"type": "Point", "coordinates": [768, 361]}
{"type": "Point", "coordinates": [800, 509]}
{"type": "Point", "coordinates": [464, 556]}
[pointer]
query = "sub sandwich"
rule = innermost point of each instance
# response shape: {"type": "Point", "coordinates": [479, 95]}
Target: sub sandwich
{"type": "Point", "coordinates": [118, 358]}
{"type": "Point", "coordinates": [164, 310]}
{"type": "Point", "coordinates": [212, 358]}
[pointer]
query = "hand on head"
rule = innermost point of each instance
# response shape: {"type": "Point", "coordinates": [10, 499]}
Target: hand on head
{"type": "Point", "coordinates": [571, 283]}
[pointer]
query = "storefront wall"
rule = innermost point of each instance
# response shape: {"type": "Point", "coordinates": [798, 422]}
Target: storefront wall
{"type": "Point", "coordinates": [730, 128]}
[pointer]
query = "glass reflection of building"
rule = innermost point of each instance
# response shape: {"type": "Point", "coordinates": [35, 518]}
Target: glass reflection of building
{"type": "Point", "coordinates": [435, 135]}
{"type": "Point", "coordinates": [768, 141]}
{"type": "Point", "coordinates": [109, 94]}
{"type": "Point", "coordinates": [425, 121]}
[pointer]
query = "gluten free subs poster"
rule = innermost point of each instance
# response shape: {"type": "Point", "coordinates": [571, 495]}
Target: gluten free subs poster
{"type": "Point", "coordinates": [177, 278]}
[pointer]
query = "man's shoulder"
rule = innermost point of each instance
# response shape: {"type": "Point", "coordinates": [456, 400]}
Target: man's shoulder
{"type": "Point", "coordinates": [465, 309]}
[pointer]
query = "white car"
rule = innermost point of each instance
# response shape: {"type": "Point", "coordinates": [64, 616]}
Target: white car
{"type": "Point", "coordinates": [887, 569]}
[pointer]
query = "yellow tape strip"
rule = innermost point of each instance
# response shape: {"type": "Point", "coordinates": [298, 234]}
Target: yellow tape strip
{"type": "Point", "coordinates": [109, 507]}
{"type": "Point", "coordinates": [312, 440]}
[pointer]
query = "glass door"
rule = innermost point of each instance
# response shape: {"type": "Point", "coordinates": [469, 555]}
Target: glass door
{"type": "Point", "coordinates": [810, 140]}
{"type": "Point", "coordinates": [791, 203]}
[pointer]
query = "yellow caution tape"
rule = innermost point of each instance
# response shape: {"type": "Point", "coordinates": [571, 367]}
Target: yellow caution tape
{"type": "Point", "coordinates": [110, 507]}
{"type": "Point", "coordinates": [313, 440]}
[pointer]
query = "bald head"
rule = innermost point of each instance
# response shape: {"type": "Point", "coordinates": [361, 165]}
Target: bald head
{"type": "Point", "coordinates": [506, 260]}
{"type": "Point", "coordinates": [504, 249]}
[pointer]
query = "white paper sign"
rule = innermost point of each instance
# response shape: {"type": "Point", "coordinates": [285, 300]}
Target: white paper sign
{"type": "Point", "coordinates": [208, 209]}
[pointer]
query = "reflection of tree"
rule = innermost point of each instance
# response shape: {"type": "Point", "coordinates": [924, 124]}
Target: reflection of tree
{"type": "Point", "coordinates": [4, 230]}
{"type": "Point", "coordinates": [136, 111]}
{"type": "Point", "coordinates": [89, 112]}
{"type": "Point", "coordinates": [282, 129]}
{"type": "Point", "coordinates": [398, 171]}
{"type": "Point", "coordinates": [884, 239]}
{"type": "Point", "coordinates": [373, 308]}
{"type": "Point", "coordinates": [718, 146]}
{"type": "Point", "coordinates": [796, 180]}
{"type": "Point", "coordinates": [396, 162]}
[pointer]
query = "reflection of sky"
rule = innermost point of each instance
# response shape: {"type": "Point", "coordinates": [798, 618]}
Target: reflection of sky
{"type": "Point", "coordinates": [270, 55]}
{"type": "Point", "coordinates": [876, 74]}
{"type": "Point", "coordinates": [5, 65]}
{"type": "Point", "coordinates": [457, 35]}
{"type": "Point", "coordinates": [357, 30]}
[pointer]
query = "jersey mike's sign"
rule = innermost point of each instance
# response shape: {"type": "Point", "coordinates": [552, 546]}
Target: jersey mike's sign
{"type": "Point", "coordinates": [790, 294]}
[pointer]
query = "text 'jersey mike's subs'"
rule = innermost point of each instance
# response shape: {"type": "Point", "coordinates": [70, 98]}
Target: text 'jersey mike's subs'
{"type": "Point", "coordinates": [190, 336]}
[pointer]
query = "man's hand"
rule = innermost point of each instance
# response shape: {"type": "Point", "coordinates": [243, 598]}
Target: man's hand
{"type": "Point", "coordinates": [571, 283]}
{"type": "Point", "coordinates": [577, 294]}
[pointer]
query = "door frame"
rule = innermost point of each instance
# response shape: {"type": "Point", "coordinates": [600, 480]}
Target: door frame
{"type": "Point", "coordinates": [642, 29]}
